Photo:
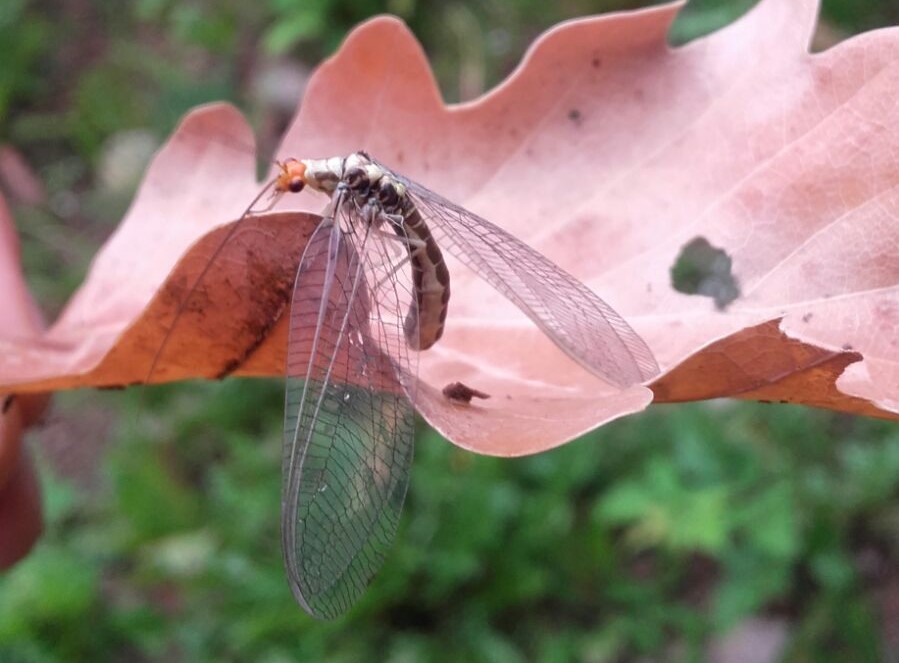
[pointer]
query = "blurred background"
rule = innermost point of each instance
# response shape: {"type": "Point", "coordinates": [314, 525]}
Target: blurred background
{"type": "Point", "coordinates": [720, 531]}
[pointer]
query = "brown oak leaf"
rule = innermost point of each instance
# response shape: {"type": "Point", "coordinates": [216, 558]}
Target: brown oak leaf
{"type": "Point", "coordinates": [607, 150]}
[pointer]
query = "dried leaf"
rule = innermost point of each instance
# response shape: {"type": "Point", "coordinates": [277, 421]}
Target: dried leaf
{"type": "Point", "coordinates": [608, 151]}
{"type": "Point", "coordinates": [20, 503]}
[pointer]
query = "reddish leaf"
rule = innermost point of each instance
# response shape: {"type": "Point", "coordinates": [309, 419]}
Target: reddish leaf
{"type": "Point", "coordinates": [21, 520]}
{"type": "Point", "coordinates": [606, 150]}
{"type": "Point", "coordinates": [20, 505]}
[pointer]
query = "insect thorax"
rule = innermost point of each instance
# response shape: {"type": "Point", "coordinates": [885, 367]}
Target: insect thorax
{"type": "Point", "coordinates": [369, 184]}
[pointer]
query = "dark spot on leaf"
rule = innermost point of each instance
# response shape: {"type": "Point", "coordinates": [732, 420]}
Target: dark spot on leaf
{"type": "Point", "coordinates": [765, 402]}
{"type": "Point", "coordinates": [462, 393]}
{"type": "Point", "coordinates": [575, 115]}
{"type": "Point", "coordinates": [702, 269]}
{"type": "Point", "coordinates": [847, 346]}
{"type": "Point", "coordinates": [596, 62]}
{"type": "Point", "coordinates": [807, 317]}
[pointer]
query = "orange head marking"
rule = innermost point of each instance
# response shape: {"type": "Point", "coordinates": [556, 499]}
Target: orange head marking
{"type": "Point", "coordinates": [292, 177]}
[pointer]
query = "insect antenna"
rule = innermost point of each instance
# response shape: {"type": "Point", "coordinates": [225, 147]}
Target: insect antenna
{"type": "Point", "coordinates": [276, 195]}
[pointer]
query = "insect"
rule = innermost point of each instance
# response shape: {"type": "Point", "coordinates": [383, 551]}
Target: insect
{"type": "Point", "coordinates": [371, 292]}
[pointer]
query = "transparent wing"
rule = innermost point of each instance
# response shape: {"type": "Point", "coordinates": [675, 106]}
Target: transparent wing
{"type": "Point", "coordinates": [349, 415]}
{"type": "Point", "coordinates": [570, 313]}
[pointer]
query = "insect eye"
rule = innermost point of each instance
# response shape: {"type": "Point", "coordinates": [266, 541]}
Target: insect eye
{"type": "Point", "coordinates": [291, 176]}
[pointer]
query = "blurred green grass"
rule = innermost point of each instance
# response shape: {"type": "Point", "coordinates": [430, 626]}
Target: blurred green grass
{"type": "Point", "coordinates": [672, 526]}
{"type": "Point", "coordinates": [646, 540]}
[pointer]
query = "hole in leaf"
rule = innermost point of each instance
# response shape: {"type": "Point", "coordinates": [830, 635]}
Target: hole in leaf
{"type": "Point", "coordinates": [703, 269]}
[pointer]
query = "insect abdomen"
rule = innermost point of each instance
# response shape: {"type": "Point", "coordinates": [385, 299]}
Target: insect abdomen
{"type": "Point", "coordinates": [431, 282]}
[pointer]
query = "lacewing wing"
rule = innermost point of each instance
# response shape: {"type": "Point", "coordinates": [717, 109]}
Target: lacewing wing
{"type": "Point", "coordinates": [349, 418]}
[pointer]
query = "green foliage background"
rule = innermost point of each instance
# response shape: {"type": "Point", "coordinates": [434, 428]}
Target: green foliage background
{"type": "Point", "coordinates": [647, 540]}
